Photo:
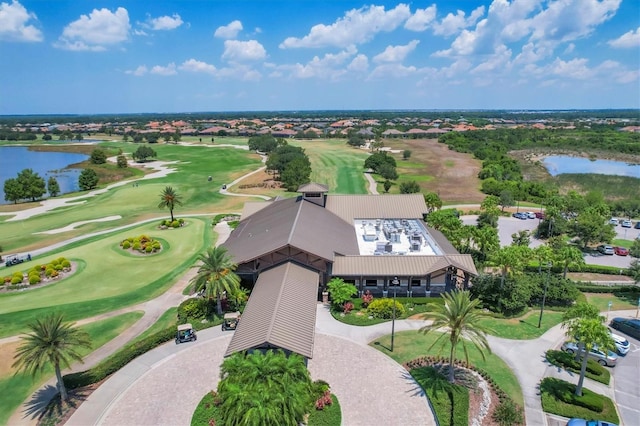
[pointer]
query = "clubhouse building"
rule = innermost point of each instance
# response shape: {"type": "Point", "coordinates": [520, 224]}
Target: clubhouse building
{"type": "Point", "coordinates": [291, 248]}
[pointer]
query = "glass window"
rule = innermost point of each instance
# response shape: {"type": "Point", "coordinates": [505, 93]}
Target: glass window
{"type": "Point", "coordinates": [371, 283]}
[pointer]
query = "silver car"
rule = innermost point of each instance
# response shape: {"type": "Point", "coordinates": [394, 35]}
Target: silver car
{"type": "Point", "coordinates": [622, 344]}
{"type": "Point", "coordinates": [609, 359]}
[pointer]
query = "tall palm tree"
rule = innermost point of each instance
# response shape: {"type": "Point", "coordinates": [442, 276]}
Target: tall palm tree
{"type": "Point", "coordinates": [460, 322]}
{"type": "Point", "coordinates": [169, 198]}
{"type": "Point", "coordinates": [216, 275]}
{"type": "Point", "coordinates": [51, 341]}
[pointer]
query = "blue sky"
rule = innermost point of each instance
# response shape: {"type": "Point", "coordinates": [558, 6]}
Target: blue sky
{"type": "Point", "coordinates": [69, 56]}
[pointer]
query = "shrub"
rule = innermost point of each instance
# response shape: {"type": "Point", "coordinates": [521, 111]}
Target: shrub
{"type": "Point", "coordinates": [347, 307]}
{"type": "Point", "coordinates": [126, 245]}
{"type": "Point", "coordinates": [137, 245]}
{"type": "Point", "coordinates": [383, 308]}
{"type": "Point", "coordinates": [163, 222]}
{"type": "Point", "coordinates": [7, 279]}
{"type": "Point", "coordinates": [175, 224]}
{"type": "Point", "coordinates": [49, 272]}
{"type": "Point", "coordinates": [367, 297]}
{"type": "Point", "coordinates": [66, 264]}
{"type": "Point", "coordinates": [194, 308]}
{"type": "Point", "coordinates": [18, 274]}
{"type": "Point", "coordinates": [181, 221]}
{"type": "Point", "coordinates": [149, 248]}
{"type": "Point", "coordinates": [564, 391]}
{"type": "Point", "coordinates": [34, 279]}
{"type": "Point", "coordinates": [16, 280]}
{"type": "Point", "coordinates": [58, 267]}
{"type": "Point", "coordinates": [566, 360]}
{"type": "Point", "coordinates": [60, 260]}
{"type": "Point", "coordinates": [508, 413]}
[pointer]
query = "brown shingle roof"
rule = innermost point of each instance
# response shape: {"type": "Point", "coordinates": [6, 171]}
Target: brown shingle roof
{"type": "Point", "coordinates": [293, 222]}
{"type": "Point", "coordinates": [281, 312]}
{"type": "Point", "coordinates": [400, 265]}
{"type": "Point", "coordinates": [396, 206]}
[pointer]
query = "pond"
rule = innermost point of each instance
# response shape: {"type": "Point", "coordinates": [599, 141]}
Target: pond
{"type": "Point", "coordinates": [561, 164]}
{"type": "Point", "coordinates": [14, 159]}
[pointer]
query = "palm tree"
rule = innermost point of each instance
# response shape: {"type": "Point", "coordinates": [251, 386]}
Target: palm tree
{"type": "Point", "coordinates": [169, 198]}
{"type": "Point", "coordinates": [51, 342]}
{"type": "Point", "coordinates": [216, 275]}
{"type": "Point", "coordinates": [460, 321]}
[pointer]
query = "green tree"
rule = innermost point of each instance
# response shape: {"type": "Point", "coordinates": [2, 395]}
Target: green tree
{"type": "Point", "coordinates": [297, 172]}
{"type": "Point", "coordinates": [486, 240]}
{"type": "Point", "coordinates": [216, 275]}
{"type": "Point", "coordinates": [169, 198]}
{"type": "Point", "coordinates": [406, 154]}
{"type": "Point", "coordinates": [567, 256]}
{"type": "Point", "coordinates": [356, 139]}
{"type": "Point", "coordinates": [46, 137]}
{"type": "Point", "coordinates": [32, 185]}
{"type": "Point", "coordinates": [634, 270]}
{"type": "Point", "coordinates": [506, 199]}
{"type": "Point", "coordinates": [433, 201]}
{"type": "Point", "coordinates": [78, 136]}
{"type": "Point", "coordinates": [410, 187]}
{"type": "Point", "coordinates": [584, 324]}
{"type": "Point", "coordinates": [267, 388]}
{"type": "Point", "coordinates": [340, 291]}
{"type": "Point", "coordinates": [98, 156]}
{"type": "Point", "coordinates": [52, 187]}
{"type": "Point", "coordinates": [386, 185]}
{"type": "Point", "coordinates": [521, 238]}
{"type": "Point", "coordinates": [51, 341]}
{"type": "Point", "coordinates": [634, 250]}
{"type": "Point", "coordinates": [459, 320]}
{"type": "Point", "coordinates": [375, 160]}
{"type": "Point", "coordinates": [88, 179]}
{"type": "Point", "coordinates": [122, 161]}
{"type": "Point", "coordinates": [387, 171]}
{"type": "Point", "coordinates": [13, 190]}
{"type": "Point", "coordinates": [143, 153]}
{"type": "Point", "coordinates": [591, 226]}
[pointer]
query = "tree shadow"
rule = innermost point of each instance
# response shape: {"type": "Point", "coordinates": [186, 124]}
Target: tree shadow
{"type": "Point", "coordinates": [39, 402]}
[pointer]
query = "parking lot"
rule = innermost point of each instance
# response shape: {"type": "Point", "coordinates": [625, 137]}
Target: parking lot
{"type": "Point", "coordinates": [511, 225]}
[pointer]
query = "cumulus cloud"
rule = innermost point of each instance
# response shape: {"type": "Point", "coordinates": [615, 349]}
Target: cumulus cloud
{"type": "Point", "coordinates": [229, 31]}
{"type": "Point", "coordinates": [193, 65]}
{"type": "Point", "coordinates": [498, 62]}
{"type": "Point", "coordinates": [170, 69]}
{"type": "Point", "coordinates": [165, 23]}
{"type": "Point", "coordinates": [331, 66]}
{"type": "Point", "coordinates": [359, 64]}
{"type": "Point", "coordinates": [386, 71]}
{"type": "Point", "coordinates": [627, 40]}
{"type": "Point", "coordinates": [240, 72]}
{"type": "Point", "coordinates": [396, 53]}
{"type": "Point", "coordinates": [14, 23]}
{"type": "Point", "coordinates": [235, 50]}
{"type": "Point", "coordinates": [138, 72]}
{"type": "Point", "coordinates": [357, 26]}
{"type": "Point", "coordinates": [421, 19]}
{"type": "Point", "coordinates": [452, 24]}
{"type": "Point", "coordinates": [96, 31]}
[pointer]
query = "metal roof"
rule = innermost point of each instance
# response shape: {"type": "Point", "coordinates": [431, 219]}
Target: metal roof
{"type": "Point", "coordinates": [293, 221]}
{"type": "Point", "coordinates": [281, 312]}
{"type": "Point", "coordinates": [313, 187]}
{"type": "Point", "coordinates": [400, 265]}
{"type": "Point", "coordinates": [395, 206]}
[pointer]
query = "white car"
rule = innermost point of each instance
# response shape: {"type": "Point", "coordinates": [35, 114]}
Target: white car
{"type": "Point", "coordinates": [613, 221]}
{"type": "Point", "coordinates": [531, 215]}
{"type": "Point", "coordinates": [626, 223]}
{"type": "Point", "coordinates": [622, 344]}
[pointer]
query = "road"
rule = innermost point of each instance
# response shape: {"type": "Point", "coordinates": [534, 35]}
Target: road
{"type": "Point", "coordinates": [627, 385]}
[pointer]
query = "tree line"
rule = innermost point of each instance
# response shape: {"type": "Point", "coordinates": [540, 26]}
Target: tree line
{"type": "Point", "coordinates": [289, 164]}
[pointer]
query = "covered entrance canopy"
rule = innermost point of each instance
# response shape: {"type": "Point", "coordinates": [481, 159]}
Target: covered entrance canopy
{"type": "Point", "coordinates": [281, 312]}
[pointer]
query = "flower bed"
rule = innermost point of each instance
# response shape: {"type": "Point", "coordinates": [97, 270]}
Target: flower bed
{"type": "Point", "coordinates": [141, 244]}
{"type": "Point", "coordinates": [38, 275]}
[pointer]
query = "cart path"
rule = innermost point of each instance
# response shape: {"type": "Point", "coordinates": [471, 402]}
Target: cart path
{"type": "Point", "coordinates": [373, 185]}
{"type": "Point", "coordinates": [152, 309]}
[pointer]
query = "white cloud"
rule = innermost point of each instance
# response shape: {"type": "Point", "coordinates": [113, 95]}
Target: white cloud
{"type": "Point", "coordinates": [240, 72]}
{"type": "Point", "coordinates": [235, 50]}
{"type": "Point", "coordinates": [452, 24]}
{"type": "Point", "coordinates": [139, 32]}
{"type": "Point", "coordinates": [166, 22]}
{"type": "Point", "coordinates": [627, 40]}
{"type": "Point", "coordinates": [170, 69]}
{"type": "Point", "coordinates": [359, 64]}
{"type": "Point", "coordinates": [229, 31]}
{"type": "Point", "coordinates": [14, 25]}
{"type": "Point", "coordinates": [386, 71]}
{"type": "Point", "coordinates": [193, 65]}
{"type": "Point", "coordinates": [396, 53]}
{"type": "Point", "coordinates": [496, 63]}
{"type": "Point", "coordinates": [570, 48]}
{"type": "Point", "coordinates": [421, 19]}
{"type": "Point", "coordinates": [357, 26]}
{"type": "Point", "coordinates": [96, 31]}
{"type": "Point", "coordinates": [138, 72]}
{"type": "Point", "coordinates": [329, 67]}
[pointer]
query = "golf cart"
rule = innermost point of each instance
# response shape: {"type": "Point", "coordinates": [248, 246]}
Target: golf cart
{"type": "Point", "coordinates": [185, 333]}
{"type": "Point", "coordinates": [230, 321]}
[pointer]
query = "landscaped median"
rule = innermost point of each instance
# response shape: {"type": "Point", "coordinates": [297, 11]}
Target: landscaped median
{"type": "Point", "coordinates": [558, 397]}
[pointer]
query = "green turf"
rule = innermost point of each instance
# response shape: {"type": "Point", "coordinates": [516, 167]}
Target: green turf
{"type": "Point", "coordinates": [167, 319]}
{"type": "Point", "coordinates": [524, 327]}
{"type": "Point", "coordinates": [409, 345]}
{"type": "Point", "coordinates": [601, 300]}
{"type": "Point", "coordinates": [107, 278]}
{"type": "Point", "coordinates": [16, 388]}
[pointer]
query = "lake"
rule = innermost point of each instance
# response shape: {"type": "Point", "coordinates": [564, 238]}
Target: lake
{"type": "Point", "coordinates": [14, 159]}
{"type": "Point", "coordinates": [561, 164]}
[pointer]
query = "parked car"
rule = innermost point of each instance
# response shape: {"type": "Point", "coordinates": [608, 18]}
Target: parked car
{"type": "Point", "coordinates": [530, 215]}
{"type": "Point", "coordinates": [621, 251]}
{"type": "Point", "coordinates": [613, 221]}
{"type": "Point", "coordinates": [609, 358]}
{"type": "Point", "coordinates": [622, 344]}
{"type": "Point", "coordinates": [637, 225]}
{"type": "Point", "coordinates": [606, 249]}
{"type": "Point", "coordinates": [584, 422]}
{"type": "Point", "coordinates": [630, 326]}
{"type": "Point", "coordinates": [520, 215]}
{"type": "Point", "coordinates": [626, 223]}
{"type": "Point", "coordinates": [540, 215]}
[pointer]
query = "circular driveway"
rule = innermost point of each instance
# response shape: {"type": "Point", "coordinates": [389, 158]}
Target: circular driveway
{"type": "Point", "coordinates": [164, 386]}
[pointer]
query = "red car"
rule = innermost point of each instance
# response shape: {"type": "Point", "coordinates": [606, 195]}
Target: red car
{"type": "Point", "coordinates": [539, 215]}
{"type": "Point", "coordinates": [621, 251]}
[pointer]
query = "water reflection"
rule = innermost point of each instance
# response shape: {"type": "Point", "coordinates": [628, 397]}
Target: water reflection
{"type": "Point", "coordinates": [560, 164]}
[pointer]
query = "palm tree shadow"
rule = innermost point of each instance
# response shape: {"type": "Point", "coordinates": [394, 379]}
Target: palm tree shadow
{"type": "Point", "coordinates": [46, 403]}
{"type": "Point", "coordinates": [38, 404]}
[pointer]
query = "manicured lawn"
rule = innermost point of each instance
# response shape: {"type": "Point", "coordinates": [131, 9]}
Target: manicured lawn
{"type": "Point", "coordinates": [524, 327]}
{"type": "Point", "coordinates": [15, 389]}
{"type": "Point", "coordinates": [166, 320]}
{"type": "Point", "coordinates": [601, 300]}
{"type": "Point", "coordinates": [450, 401]}
{"type": "Point", "coordinates": [107, 279]}
{"type": "Point", "coordinates": [554, 390]}
{"type": "Point", "coordinates": [336, 164]}
{"type": "Point", "coordinates": [410, 345]}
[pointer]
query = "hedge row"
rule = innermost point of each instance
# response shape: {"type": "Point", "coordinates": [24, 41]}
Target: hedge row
{"type": "Point", "coordinates": [592, 288]}
{"type": "Point", "coordinates": [596, 269]}
{"type": "Point", "coordinates": [567, 361]}
{"type": "Point", "coordinates": [558, 397]}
